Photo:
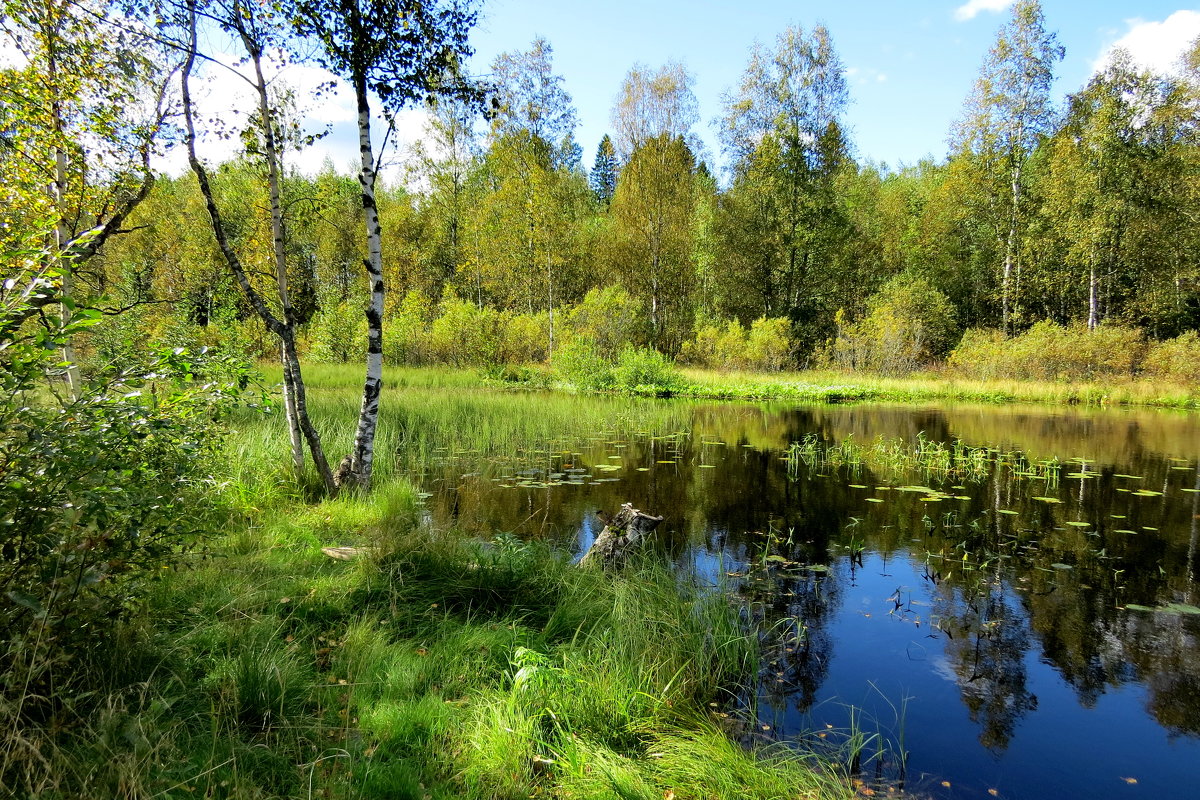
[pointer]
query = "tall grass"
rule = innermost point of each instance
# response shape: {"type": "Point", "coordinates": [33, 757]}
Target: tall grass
{"type": "Point", "coordinates": [831, 386]}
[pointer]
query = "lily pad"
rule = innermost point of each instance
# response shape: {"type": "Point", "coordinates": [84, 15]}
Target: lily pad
{"type": "Point", "coordinates": [1048, 499]}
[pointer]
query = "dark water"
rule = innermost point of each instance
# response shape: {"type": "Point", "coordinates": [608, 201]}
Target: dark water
{"type": "Point", "coordinates": [1024, 628]}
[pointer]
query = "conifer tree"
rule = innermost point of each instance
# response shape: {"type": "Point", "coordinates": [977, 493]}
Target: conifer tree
{"type": "Point", "coordinates": [603, 178]}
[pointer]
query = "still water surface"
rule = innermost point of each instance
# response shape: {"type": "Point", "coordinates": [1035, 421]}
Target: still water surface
{"type": "Point", "coordinates": [1025, 624]}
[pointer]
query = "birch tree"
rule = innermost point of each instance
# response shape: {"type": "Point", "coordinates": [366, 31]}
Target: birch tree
{"type": "Point", "coordinates": [654, 198]}
{"type": "Point", "coordinates": [401, 52]}
{"type": "Point", "coordinates": [1008, 112]}
{"type": "Point", "coordinates": [256, 30]}
{"type": "Point", "coordinates": [83, 111]}
{"type": "Point", "coordinates": [783, 133]}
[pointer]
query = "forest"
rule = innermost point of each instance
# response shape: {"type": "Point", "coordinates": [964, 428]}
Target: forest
{"type": "Point", "coordinates": [499, 244]}
{"type": "Point", "coordinates": [184, 358]}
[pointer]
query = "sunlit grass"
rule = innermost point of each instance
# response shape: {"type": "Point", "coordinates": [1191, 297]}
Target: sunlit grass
{"type": "Point", "coordinates": [849, 386]}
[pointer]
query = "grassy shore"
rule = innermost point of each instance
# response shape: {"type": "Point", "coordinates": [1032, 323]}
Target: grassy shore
{"type": "Point", "coordinates": [812, 386]}
{"type": "Point", "coordinates": [432, 665]}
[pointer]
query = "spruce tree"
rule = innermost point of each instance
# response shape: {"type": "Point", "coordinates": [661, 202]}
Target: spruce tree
{"type": "Point", "coordinates": [604, 171]}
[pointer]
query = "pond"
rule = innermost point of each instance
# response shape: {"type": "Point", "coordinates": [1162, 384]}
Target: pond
{"type": "Point", "coordinates": [978, 601]}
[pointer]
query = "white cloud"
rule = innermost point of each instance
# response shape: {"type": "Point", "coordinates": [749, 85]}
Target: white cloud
{"type": "Point", "coordinates": [861, 76]}
{"type": "Point", "coordinates": [1155, 45]}
{"type": "Point", "coordinates": [972, 8]}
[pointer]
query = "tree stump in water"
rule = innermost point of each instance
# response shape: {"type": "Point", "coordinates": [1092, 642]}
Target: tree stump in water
{"type": "Point", "coordinates": [621, 534]}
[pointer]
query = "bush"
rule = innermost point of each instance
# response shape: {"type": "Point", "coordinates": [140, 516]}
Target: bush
{"type": "Point", "coordinates": [101, 494]}
{"type": "Point", "coordinates": [608, 318]}
{"type": "Point", "coordinates": [641, 369]}
{"type": "Point", "coordinates": [337, 334]}
{"type": "Point", "coordinates": [765, 347]}
{"type": "Point", "coordinates": [406, 338]}
{"type": "Point", "coordinates": [768, 348]}
{"type": "Point", "coordinates": [1050, 352]}
{"type": "Point", "coordinates": [1175, 359]}
{"type": "Point", "coordinates": [581, 364]}
{"type": "Point", "coordinates": [909, 323]}
{"type": "Point", "coordinates": [524, 338]}
{"type": "Point", "coordinates": [464, 334]}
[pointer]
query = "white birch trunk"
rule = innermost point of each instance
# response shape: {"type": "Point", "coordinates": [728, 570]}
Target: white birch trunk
{"type": "Point", "coordinates": [359, 466]}
{"type": "Point", "coordinates": [1093, 298]}
{"type": "Point", "coordinates": [283, 329]}
{"type": "Point", "coordinates": [291, 372]}
{"type": "Point", "coordinates": [62, 235]}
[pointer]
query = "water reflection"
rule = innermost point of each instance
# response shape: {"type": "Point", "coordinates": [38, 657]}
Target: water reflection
{"type": "Point", "coordinates": [1028, 624]}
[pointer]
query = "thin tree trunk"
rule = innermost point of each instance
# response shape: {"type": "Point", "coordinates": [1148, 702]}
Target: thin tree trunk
{"type": "Point", "coordinates": [1093, 297]}
{"type": "Point", "coordinates": [291, 371]}
{"type": "Point", "coordinates": [58, 191]}
{"type": "Point", "coordinates": [1010, 245]}
{"type": "Point", "coordinates": [300, 401]}
{"type": "Point", "coordinates": [359, 465]}
{"type": "Point", "coordinates": [293, 422]}
{"type": "Point", "coordinates": [282, 329]}
{"type": "Point", "coordinates": [550, 283]}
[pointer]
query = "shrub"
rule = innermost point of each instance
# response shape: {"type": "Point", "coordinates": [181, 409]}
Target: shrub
{"type": "Point", "coordinates": [1175, 359]}
{"type": "Point", "coordinates": [909, 323]}
{"type": "Point", "coordinates": [641, 368]}
{"type": "Point", "coordinates": [1051, 352]}
{"type": "Point", "coordinates": [406, 338]}
{"type": "Point", "coordinates": [609, 319]}
{"type": "Point", "coordinates": [765, 347]}
{"type": "Point", "coordinates": [582, 365]}
{"type": "Point", "coordinates": [464, 334]}
{"type": "Point", "coordinates": [524, 338]}
{"type": "Point", "coordinates": [101, 494]}
{"type": "Point", "coordinates": [337, 334]}
{"type": "Point", "coordinates": [768, 348]}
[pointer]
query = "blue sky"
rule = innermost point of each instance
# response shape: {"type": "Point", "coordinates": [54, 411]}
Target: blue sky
{"type": "Point", "coordinates": [910, 63]}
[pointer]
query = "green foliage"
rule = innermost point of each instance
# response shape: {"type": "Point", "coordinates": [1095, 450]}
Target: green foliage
{"type": "Point", "coordinates": [406, 331]}
{"type": "Point", "coordinates": [1052, 352]}
{"type": "Point", "coordinates": [1175, 359]}
{"type": "Point", "coordinates": [909, 323]}
{"type": "Point", "coordinates": [603, 177]}
{"type": "Point", "coordinates": [101, 495]}
{"type": "Point", "coordinates": [338, 334]}
{"type": "Point", "coordinates": [465, 334]}
{"type": "Point", "coordinates": [583, 366]}
{"type": "Point", "coordinates": [766, 347]}
{"type": "Point", "coordinates": [607, 318]}
{"type": "Point", "coordinates": [636, 370]}
{"type": "Point", "coordinates": [646, 371]}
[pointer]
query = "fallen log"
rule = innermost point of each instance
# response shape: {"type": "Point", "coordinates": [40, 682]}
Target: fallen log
{"type": "Point", "coordinates": [621, 534]}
